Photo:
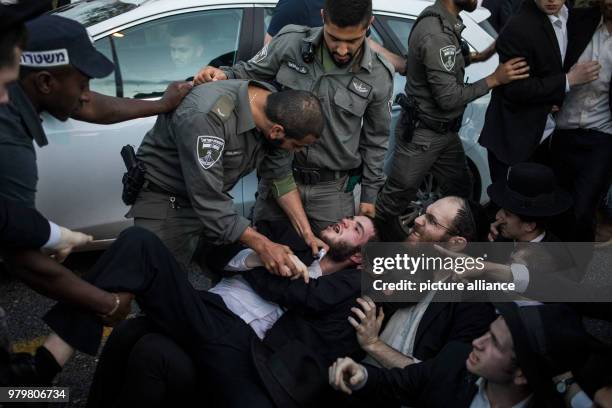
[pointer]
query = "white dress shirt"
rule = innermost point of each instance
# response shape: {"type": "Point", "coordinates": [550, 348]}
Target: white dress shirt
{"type": "Point", "coordinates": [244, 302]}
{"type": "Point", "coordinates": [559, 23]}
{"type": "Point", "coordinates": [587, 106]}
{"type": "Point", "coordinates": [520, 272]}
{"type": "Point", "coordinates": [482, 401]}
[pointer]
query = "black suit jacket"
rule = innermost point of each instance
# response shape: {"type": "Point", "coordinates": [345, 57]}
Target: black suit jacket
{"type": "Point", "coordinates": [21, 227]}
{"type": "Point", "coordinates": [580, 30]}
{"type": "Point", "coordinates": [438, 383]}
{"type": "Point", "coordinates": [445, 322]}
{"type": "Point", "coordinates": [314, 331]}
{"type": "Point", "coordinates": [516, 116]}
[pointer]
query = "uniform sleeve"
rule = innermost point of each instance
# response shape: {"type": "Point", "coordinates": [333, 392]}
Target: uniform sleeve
{"type": "Point", "coordinates": [532, 90]}
{"type": "Point", "coordinates": [22, 227]}
{"type": "Point", "coordinates": [199, 137]}
{"type": "Point", "coordinates": [374, 142]}
{"type": "Point", "coordinates": [263, 66]}
{"type": "Point", "coordinates": [275, 171]}
{"type": "Point", "coordinates": [438, 53]}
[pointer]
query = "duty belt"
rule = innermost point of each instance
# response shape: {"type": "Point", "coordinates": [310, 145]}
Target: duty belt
{"type": "Point", "coordinates": [439, 126]}
{"type": "Point", "coordinates": [306, 175]}
{"type": "Point", "coordinates": [175, 200]}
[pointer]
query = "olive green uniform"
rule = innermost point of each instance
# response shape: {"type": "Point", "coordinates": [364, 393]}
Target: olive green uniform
{"type": "Point", "coordinates": [193, 158]}
{"type": "Point", "coordinates": [435, 70]}
{"type": "Point", "coordinates": [356, 100]}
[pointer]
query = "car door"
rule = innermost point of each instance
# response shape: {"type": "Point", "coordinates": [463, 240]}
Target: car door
{"type": "Point", "coordinates": [81, 169]}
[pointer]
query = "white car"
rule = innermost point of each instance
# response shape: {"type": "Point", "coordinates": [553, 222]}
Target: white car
{"type": "Point", "coordinates": [158, 41]}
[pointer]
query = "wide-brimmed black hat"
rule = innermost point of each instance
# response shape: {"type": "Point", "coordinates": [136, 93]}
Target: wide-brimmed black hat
{"type": "Point", "coordinates": [549, 339]}
{"type": "Point", "coordinates": [530, 189]}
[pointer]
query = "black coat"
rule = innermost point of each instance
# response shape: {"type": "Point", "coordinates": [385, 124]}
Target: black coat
{"type": "Point", "coordinates": [21, 227]}
{"type": "Point", "coordinates": [440, 382]}
{"type": "Point", "coordinates": [516, 116]}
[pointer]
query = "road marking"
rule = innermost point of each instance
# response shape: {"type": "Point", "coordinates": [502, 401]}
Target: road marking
{"type": "Point", "coordinates": [30, 345]}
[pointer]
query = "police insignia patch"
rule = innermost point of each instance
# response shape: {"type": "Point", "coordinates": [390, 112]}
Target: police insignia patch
{"type": "Point", "coordinates": [447, 57]}
{"type": "Point", "coordinates": [359, 87]}
{"type": "Point", "coordinates": [261, 55]}
{"type": "Point", "coordinates": [209, 150]}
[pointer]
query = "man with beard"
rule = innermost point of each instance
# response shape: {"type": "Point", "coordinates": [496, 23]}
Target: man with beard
{"type": "Point", "coordinates": [213, 327]}
{"type": "Point", "coordinates": [355, 86]}
{"type": "Point", "coordinates": [420, 331]}
{"type": "Point", "coordinates": [436, 96]}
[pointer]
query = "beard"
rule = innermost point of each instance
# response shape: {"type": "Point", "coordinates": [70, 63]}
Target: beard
{"type": "Point", "coordinates": [467, 5]}
{"type": "Point", "coordinates": [341, 251]}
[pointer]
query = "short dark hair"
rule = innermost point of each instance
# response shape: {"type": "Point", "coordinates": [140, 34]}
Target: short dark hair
{"type": "Point", "coordinates": [348, 13]}
{"type": "Point", "coordinates": [16, 36]}
{"type": "Point", "coordinates": [465, 223]}
{"type": "Point", "coordinates": [299, 112]}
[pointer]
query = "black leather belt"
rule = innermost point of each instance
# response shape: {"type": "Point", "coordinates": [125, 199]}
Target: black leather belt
{"type": "Point", "coordinates": [305, 175]}
{"type": "Point", "coordinates": [439, 126]}
{"type": "Point", "coordinates": [176, 200]}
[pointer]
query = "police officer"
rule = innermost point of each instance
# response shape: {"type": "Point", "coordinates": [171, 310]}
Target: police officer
{"type": "Point", "coordinates": [355, 86]}
{"type": "Point", "coordinates": [195, 155]}
{"type": "Point", "coordinates": [56, 66]}
{"type": "Point", "coordinates": [427, 137]}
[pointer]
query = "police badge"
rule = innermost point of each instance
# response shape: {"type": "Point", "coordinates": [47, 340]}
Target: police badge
{"type": "Point", "coordinates": [447, 57]}
{"type": "Point", "coordinates": [209, 150]}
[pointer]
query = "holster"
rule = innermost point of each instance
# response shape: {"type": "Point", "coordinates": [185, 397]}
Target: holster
{"type": "Point", "coordinates": [134, 178]}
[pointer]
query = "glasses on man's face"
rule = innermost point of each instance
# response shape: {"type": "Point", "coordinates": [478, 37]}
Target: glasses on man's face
{"type": "Point", "coordinates": [431, 220]}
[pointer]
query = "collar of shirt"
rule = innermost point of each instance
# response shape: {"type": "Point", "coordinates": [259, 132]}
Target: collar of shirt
{"type": "Point", "coordinates": [453, 22]}
{"type": "Point", "coordinates": [482, 401]}
{"type": "Point", "coordinates": [316, 38]}
{"type": "Point", "coordinates": [539, 238]}
{"type": "Point", "coordinates": [603, 28]}
{"type": "Point", "coordinates": [243, 109]}
{"type": "Point", "coordinates": [20, 101]}
{"type": "Point", "coordinates": [562, 16]}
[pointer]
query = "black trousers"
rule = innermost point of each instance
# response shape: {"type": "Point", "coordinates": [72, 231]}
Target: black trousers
{"type": "Point", "coordinates": [139, 366]}
{"type": "Point", "coordinates": [582, 161]}
{"type": "Point", "coordinates": [218, 341]}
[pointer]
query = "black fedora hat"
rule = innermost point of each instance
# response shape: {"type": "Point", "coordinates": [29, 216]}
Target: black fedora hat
{"type": "Point", "coordinates": [549, 339]}
{"type": "Point", "coordinates": [530, 189]}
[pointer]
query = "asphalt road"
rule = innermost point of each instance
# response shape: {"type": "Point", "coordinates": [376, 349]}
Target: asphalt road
{"type": "Point", "coordinates": [25, 307]}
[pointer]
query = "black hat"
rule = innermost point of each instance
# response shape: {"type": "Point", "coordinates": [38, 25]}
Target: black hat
{"type": "Point", "coordinates": [56, 41]}
{"type": "Point", "coordinates": [549, 339]}
{"type": "Point", "coordinates": [530, 189]}
{"type": "Point", "coordinates": [15, 12]}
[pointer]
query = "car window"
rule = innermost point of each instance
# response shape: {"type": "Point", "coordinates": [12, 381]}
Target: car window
{"type": "Point", "coordinates": [173, 48]}
{"type": "Point", "coordinates": [400, 27]}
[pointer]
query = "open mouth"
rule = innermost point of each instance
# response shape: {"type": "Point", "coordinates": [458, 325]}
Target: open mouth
{"type": "Point", "coordinates": [336, 228]}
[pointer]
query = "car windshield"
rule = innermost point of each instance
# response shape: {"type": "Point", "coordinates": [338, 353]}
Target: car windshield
{"type": "Point", "coordinates": [91, 12]}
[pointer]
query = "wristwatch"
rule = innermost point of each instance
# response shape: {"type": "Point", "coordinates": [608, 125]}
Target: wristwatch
{"type": "Point", "coordinates": [563, 385]}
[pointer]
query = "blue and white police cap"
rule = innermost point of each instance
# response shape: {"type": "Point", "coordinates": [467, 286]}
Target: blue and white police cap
{"type": "Point", "coordinates": [55, 41]}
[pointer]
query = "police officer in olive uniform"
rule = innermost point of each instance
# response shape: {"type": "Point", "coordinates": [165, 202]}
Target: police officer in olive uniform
{"type": "Point", "coordinates": [196, 154]}
{"type": "Point", "coordinates": [436, 96]}
{"type": "Point", "coordinates": [355, 86]}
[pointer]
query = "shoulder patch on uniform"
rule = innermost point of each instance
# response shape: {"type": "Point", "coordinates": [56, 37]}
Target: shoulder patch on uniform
{"type": "Point", "coordinates": [357, 86]}
{"type": "Point", "coordinates": [447, 57]}
{"type": "Point", "coordinates": [261, 55]}
{"type": "Point", "coordinates": [223, 108]}
{"type": "Point", "coordinates": [208, 150]}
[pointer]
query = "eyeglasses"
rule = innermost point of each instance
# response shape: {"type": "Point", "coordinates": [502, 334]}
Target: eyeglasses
{"type": "Point", "coordinates": [432, 221]}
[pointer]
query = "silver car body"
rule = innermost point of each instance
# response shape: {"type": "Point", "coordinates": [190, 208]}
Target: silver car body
{"type": "Point", "coordinates": [81, 169]}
